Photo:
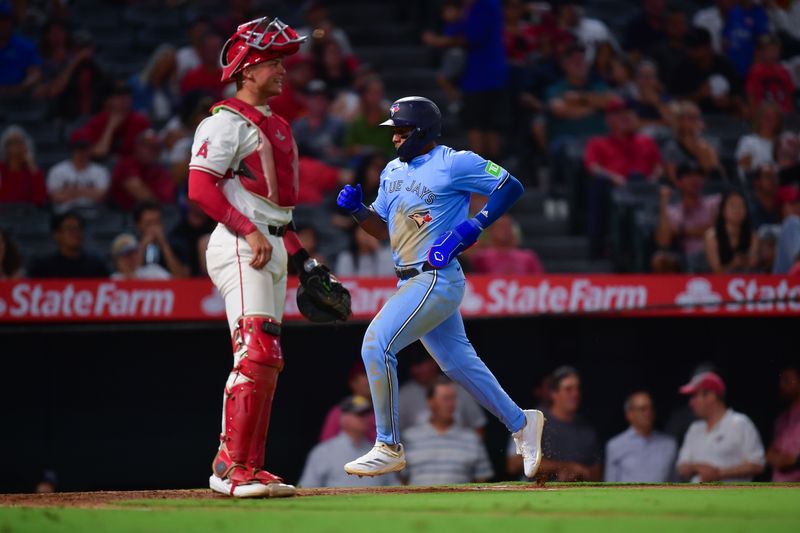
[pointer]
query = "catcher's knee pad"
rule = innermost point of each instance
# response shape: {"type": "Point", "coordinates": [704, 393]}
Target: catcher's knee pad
{"type": "Point", "coordinates": [256, 339]}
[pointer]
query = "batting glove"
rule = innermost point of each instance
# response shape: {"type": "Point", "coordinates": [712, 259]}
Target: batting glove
{"type": "Point", "coordinates": [451, 243]}
{"type": "Point", "coordinates": [350, 198]}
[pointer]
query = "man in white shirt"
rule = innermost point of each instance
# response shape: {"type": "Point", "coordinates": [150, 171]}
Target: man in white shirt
{"type": "Point", "coordinates": [77, 181]}
{"type": "Point", "coordinates": [640, 454]}
{"type": "Point", "coordinates": [723, 445]}
{"type": "Point", "coordinates": [324, 464]}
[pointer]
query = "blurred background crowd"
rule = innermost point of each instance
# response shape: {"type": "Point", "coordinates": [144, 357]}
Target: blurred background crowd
{"type": "Point", "coordinates": [651, 135]}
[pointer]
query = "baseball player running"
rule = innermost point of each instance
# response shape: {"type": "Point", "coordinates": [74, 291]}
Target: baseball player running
{"type": "Point", "coordinates": [243, 173]}
{"type": "Point", "coordinates": [422, 208]}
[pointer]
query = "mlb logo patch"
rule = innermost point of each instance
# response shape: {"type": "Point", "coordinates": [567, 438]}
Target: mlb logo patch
{"type": "Point", "coordinates": [394, 109]}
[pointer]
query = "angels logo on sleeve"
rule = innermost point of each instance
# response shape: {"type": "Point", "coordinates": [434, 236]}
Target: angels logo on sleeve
{"type": "Point", "coordinates": [203, 150]}
{"type": "Point", "coordinates": [421, 218]}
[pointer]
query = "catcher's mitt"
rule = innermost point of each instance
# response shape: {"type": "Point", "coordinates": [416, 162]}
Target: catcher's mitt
{"type": "Point", "coordinates": [321, 297]}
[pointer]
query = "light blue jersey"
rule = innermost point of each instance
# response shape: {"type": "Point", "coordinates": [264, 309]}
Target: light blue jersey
{"type": "Point", "coordinates": [429, 195]}
{"type": "Point", "coordinates": [419, 201]}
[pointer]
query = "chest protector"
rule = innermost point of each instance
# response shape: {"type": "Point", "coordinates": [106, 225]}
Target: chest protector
{"type": "Point", "coordinates": [270, 171]}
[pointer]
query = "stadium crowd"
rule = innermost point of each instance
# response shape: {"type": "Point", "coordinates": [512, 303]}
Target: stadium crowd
{"type": "Point", "coordinates": [443, 433]}
{"type": "Point", "coordinates": [637, 134]}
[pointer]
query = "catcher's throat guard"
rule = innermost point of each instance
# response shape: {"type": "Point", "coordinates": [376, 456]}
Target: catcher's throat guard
{"type": "Point", "coordinates": [257, 41]}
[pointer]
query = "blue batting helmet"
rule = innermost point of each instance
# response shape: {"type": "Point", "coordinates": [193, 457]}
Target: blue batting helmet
{"type": "Point", "coordinates": [421, 114]}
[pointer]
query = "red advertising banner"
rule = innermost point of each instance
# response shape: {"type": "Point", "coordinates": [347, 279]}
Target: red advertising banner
{"type": "Point", "coordinates": [27, 301]}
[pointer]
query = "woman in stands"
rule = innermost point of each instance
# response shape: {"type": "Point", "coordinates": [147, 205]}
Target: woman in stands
{"type": "Point", "coordinates": [21, 180]}
{"type": "Point", "coordinates": [731, 244]}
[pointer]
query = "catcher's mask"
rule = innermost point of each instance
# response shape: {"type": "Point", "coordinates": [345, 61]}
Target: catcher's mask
{"type": "Point", "coordinates": [421, 114]}
{"type": "Point", "coordinates": [257, 41]}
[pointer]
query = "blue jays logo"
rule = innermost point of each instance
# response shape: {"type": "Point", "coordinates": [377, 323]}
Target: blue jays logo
{"type": "Point", "coordinates": [394, 109]}
{"type": "Point", "coordinates": [421, 218]}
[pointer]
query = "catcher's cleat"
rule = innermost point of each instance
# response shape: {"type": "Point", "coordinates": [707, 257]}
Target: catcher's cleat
{"type": "Point", "coordinates": [529, 441]}
{"type": "Point", "coordinates": [381, 459]}
{"type": "Point", "coordinates": [250, 488]}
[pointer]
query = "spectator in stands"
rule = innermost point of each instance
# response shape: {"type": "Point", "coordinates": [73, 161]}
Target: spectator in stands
{"type": "Point", "coordinates": [614, 69]}
{"type": "Point", "coordinates": [10, 258]}
{"type": "Point", "coordinates": [237, 12]}
{"type": "Point", "coordinates": [731, 244]}
{"type": "Point", "coordinates": [712, 19]}
{"type": "Point", "coordinates": [21, 180]}
{"type": "Point", "coordinates": [746, 22]}
{"type": "Point", "coordinates": [69, 260]}
{"type": "Point", "coordinates": [73, 81]}
{"type": "Point", "coordinates": [722, 445]}
{"type": "Point", "coordinates": [358, 383]}
{"type": "Point", "coordinates": [316, 179]}
{"type": "Point", "coordinates": [575, 103]}
{"type": "Point", "coordinates": [503, 254]}
{"type": "Point", "coordinates": [671, 53]}
{"type": "Point", "coordinates": [767, 247]}
{"type": "Point", "coordinates": [332, 67]}
{"type": "Point", "coordinates": [589, 31]}
{"type": "Point", "coordinates": [784, 16]}
{"type": "Point", "coordinates": [127, 257]}
{"type": "Point", "coordinates": [78, 181]}
{"type": "Point", "coordinates": [438, 450]}
{"type": "Point", "coordinates": [308, 238]}
{"type": "Point", "coordinates": [768, 80]}
{"type": "Point", "coordinates": [154, 247]}
{"type": "Point", "coordinates": [155, 88]}
{"type": "Point", "coordinates": [188, 57]}
{"type": "Point", "coordinates": [367, 257]}
{"type": "Point", "coordinates": [707, 78]}
{"type": "Point", "coordinates": [788, 249]}
{"type": "Point", "coordinates": [207, 75]}
{"type": "Point", "coordinates": [319, 28]}
{"type": "Point", "coordinates": [114, 130]}
{"type": "Point", "coordinates": [787, 157]}
{"type": "Point", "coordinates": [569, 443]}
{"type": "Point", "coordinates": [365, 134]}
{"type": "Point", "coordinates": [647, 29]}
{"type": "Point", "coordinates": [291, 103]}
{"type": "Point", "coordinates": [784, 453]}
{"type": "Point", "coordinates": [688, 146]}
{"type": "Point", "coordinates": [764, 207]}
{"type": "Point", "coordinates": [681, 227]}
{"type": "Point", "coordinates": [191, 235]}
{"type": "Point", "coordinates": [612, 161]}
{"type": "Point", "coordinates": [177, 138]}
{"type": "Point", "coordinates": [21, 63]}
{"type": "Point", "coordinates": [324, 463]}
{"type": "Point", "coordinates": [452, 55]}
{"type": "Point", "coordinates": [140, 177]}
{"type": "Point", "coordinates": [640, 454]}
{"type": "Point", "coordinates": [758, 148]}
{"type": "Point", "coordinates": [649, 99]}
{"type": "Point", "coordinates": [319, 134]}
{"type": "Point", "coordinates": [413, 403]}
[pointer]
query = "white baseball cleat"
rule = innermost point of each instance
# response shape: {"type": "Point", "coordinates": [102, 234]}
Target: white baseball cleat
{"type": "Point", "coordinates": [381, 459]}
{"type": "Point", "coordinates": [529, 441]}
{"type": "Point", "coordinates": [253, 489]}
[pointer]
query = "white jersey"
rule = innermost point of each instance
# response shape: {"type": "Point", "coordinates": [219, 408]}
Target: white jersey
{"type": "Point", "coordinates": [221, 142]}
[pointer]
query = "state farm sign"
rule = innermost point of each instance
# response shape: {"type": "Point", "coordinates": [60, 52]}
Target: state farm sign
{"type": "Point", "coordinates": [486, 296]}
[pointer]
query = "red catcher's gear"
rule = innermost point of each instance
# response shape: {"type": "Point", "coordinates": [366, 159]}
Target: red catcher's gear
{"type": "Point", "coordinates": [248, 401]}
{"type": "Point", "coordinates": [257, 41]}
{"type": "Point", "coordinates": [271, 171]}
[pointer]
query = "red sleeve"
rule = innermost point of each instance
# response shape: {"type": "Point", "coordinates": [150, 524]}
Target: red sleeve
{"type": "Point", "coordinates": [203, 190]}
{"type": "Point", "coordinates": [292, 243]}
{"type": "Point", "coordinates": [591, 154]}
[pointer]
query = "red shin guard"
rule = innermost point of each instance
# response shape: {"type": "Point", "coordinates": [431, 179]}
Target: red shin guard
{"type": "Point", "coordinates": [248, 401]}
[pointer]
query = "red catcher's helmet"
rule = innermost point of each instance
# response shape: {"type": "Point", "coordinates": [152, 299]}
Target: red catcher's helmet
{"type": "Point", "coordinates": [256, 41]}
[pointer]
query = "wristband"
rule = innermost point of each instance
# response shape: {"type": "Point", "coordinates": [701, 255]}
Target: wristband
{"type": "Point", "coordinates": [361, 214]}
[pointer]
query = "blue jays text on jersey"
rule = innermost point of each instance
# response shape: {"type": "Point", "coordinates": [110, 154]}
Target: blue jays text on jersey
{"type": "Point", "coordinates": [429, 195]}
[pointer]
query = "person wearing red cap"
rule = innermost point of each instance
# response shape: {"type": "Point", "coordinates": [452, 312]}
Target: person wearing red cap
{"type": "Point", "coordinates": [722, 445]}
{"type": "Point", "coordinates": [244, 174]}
{"type": "Point", "coordinates": [359, 385]}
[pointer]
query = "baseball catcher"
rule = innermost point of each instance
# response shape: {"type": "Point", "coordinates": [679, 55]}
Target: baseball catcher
{"type": "Point", "coordinates": [243, 173]}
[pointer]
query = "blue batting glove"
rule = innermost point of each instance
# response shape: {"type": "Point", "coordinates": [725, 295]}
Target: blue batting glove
{"type": "Point", "coordinates": [350, 198]}
{"type": "Point", "coordinates": [451, 243]}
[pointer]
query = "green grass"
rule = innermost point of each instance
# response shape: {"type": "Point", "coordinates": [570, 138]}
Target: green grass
{"type": "Point", "coordinates": [563, 509]}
